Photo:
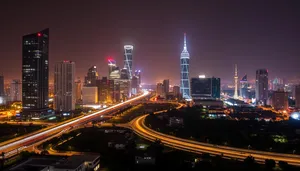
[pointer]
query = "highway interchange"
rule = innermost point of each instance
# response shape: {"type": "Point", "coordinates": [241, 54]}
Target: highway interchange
{"type": "Point", "coordinates": [16, 145]}
{"type": "Point", "coordinates": [139, 127]}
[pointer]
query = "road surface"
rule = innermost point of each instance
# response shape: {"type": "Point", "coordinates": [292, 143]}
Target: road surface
{"type": "Point", "coordinates": [139, 127]}
{"type": "Point", "coordinates": [14, 146]}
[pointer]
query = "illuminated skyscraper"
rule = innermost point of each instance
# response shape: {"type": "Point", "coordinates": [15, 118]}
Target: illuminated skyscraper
{"type": "Point", "coordinates": [35, 70]}
{"type": "Point", "coordinates": [184, 68]}
{"type": "Point", "coordinates": [64, 86]}
{"type": "Point", "coordinates": [91, 77]}
{"type": "Point", "coordinates": [128, 59]}
{"type": "Point", "coordinates": [261, 88]}
{"type": "Point", "coordinates": [236, 96]}
{"type": "Point", "coordinates": [112, 66]}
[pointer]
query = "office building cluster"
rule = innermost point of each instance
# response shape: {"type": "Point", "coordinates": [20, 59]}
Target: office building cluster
{"type": "Point", "coordinates": [33, 89]}
{"type": "Point", "coordinates": [117, 86]}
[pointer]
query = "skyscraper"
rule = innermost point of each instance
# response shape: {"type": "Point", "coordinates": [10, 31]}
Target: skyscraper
{"type": "Point", "coordinates": [184, 68]}
{"type": "Point", "coordinates": [236, 96]}
{"type": "Point", "coordinates": [64, 86]}
{"type": "Point", "coordinates": [78, 87]}
{"type": "Point", "coordinates": [2, 85]}
{"type": "Point", "coordinates": [166, 84]}
{"type": "Point", "coordinates": [16, 91]}
{"type": "Point", "coordinates": [35, 70]}
{"type": "Point", "coordinates": [128, 59]}
{"type": "Point", "coordinates": [159, 89]}
{"type": "Point", "coordinates": [112, 66]}
{"type": "Point", "coordinates": [91, 77]}
{"type": "Point", "coordinates": [261, 89]}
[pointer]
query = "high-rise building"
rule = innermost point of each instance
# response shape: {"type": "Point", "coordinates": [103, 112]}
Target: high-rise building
{"type": "Point", "coordinates": [139, 76]}
{"type": "Point", "coordinates": [114, 90]}
{"type": "Point", "coordinates": [103, 89]}
{"type": "Point", "coordinates": [176, 91]}
{"type": "Point", "coordinates": [16, 91]}
{"type": "Point", "coordinates": [236, 96]}
{"type": "Point", "coordinates": [35, 70]}
{"type": "Point", "coordinates": [64, 86]}
{"type": "Point", "coordinates": [78, 93]}
{"type": "Point", "coordinates": [2, 93]}
{"type": "Point", "coordinates": [125, 89]}
{"type": "Point", "coordinates": [215, 87]}
{"type": "Point", "coordinates": [128, 49]}
{"type": "Point", "coordinates": [184, 68]}
{"type": "Point", "coordinates": [112, 66]}
{"type": "Point", "coordinates": [160, 90]}
{"type": "Point", "coordinates": [297, 96]}
{"type": "Point", "coordinates": [134, 85]}
{"type": "Point", "coordinates": [277, 84]}
{"type": "Point", "coordinates": [261, 89]}
{"type": "Point", "coordinates": [89, 95]}
{"type": "Point", "coordinates": [244, 90]}
{"type": "Point", "coordinates": [124, 74]}
{"type": "Point", "coordinates": [91, 77]}
{"type": "Point", "coordinates": [205, 88]}
{"type": "Point", "coordinates": [280, 100]}
{"type": "Point", "coordinates": [166, 84]}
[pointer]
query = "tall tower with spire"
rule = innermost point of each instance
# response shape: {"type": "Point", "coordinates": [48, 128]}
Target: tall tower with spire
{"type": "Point", "coordinates": [235, 96]}
{"type": "Point", "coordinates": [184, 68]}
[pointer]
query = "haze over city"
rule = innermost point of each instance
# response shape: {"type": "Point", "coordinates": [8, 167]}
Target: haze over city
{"type": "Point", "coordinates": [179, 85]}
{"type": "Point", "coordinates": [252, 34]}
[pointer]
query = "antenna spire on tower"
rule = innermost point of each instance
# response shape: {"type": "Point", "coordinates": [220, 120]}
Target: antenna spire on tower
{"type": "Point", "coordinates": [184, 46]}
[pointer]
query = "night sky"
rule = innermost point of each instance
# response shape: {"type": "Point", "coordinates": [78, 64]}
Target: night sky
{"type": "Point", "coordinates": [252, 33]}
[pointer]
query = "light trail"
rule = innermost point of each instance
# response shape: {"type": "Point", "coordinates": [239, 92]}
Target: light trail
{"type": "Point", "coordinates": [44, 133]}
{"type": "Point", "coordinates": [142, 130]}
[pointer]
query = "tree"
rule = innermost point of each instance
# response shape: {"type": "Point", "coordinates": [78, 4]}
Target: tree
{"type": "Point", "coordinates": [283, 165]}
{"type": "Point", "coordinates": [249, 161]}
{"type": "Point", "coordinates": [270, 164]}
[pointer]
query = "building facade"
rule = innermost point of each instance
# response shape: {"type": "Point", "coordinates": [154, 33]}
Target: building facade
{"type": "Point", "coordinates": [184, 68]}
{"type": "Point", "coordinates": [205, 88]}
{"type": "Point", "coordinates": [89, 95]}
{"type": "Point", "coordinates": [91, 77]}
{"type": "Point", "coordinates": [64, 86]}
{"type": "Point", "coordinates": [35, 70]}
{"type": "Point", "coordinates": [160, 90]}
{"type": "Point", "coordinates": [261, 86]}
{"type": "Point", "coordinates": [78, 93]}
{"type": "Point", "coordinates": [166, 84]}
{"type": "Point", "coordinates": [279, 100]}
{"type": "Point", "coordinates": [128, 49]}
{"type": "Point", "coordinates": [16, 91]}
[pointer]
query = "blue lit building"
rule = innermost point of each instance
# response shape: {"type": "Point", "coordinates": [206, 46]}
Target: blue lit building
{"type": "Point", "coordinates": [184, 68]}
{"type": "Point", "coordinates": [128, 59]}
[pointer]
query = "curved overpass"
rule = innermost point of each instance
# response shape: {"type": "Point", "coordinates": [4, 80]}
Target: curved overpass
{"type": "Point", "coordinates": [139, 127]}
{"type": "Point", "coordinates": [14, 146]}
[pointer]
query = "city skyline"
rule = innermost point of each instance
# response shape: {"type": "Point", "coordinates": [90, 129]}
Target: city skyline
{"type": "Point", "coordinates": [227, 34]}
